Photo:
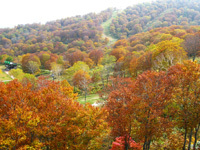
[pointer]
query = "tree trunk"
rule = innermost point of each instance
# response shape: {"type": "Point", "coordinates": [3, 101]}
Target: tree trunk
{"type": "Point", "coordinates": [32, 136]}
{"type": "Point", "coordinates": [102, 81]}
{"type": "Point", "coordinates": [185, 137]}
{"type": "Point", "coordinates": [149, 142]}
{"type": "Point", "coordinates": [48, 147]}
{"type": "Point", "coordinates": [145, 143]}
{"type": "Point", "coordinates": [126, 144]}
{"type": "Point", "coordinates": [74, 90]}
{"type": "Point", "coordinates": [107, 79]}
{"type": "Point", "coordinates": [190, 139]}
{"type": "Point", "coordinates": [193, 58]}
{"type": "Point", "coordinates": [195, 135]}
{"type": "Point", "coordinates": [85, 96]}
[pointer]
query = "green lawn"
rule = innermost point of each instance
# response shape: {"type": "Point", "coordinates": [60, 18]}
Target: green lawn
{"type": "Point", "coordinates": [3, 75]}
{"type": "Point", "coordinates": [91, 98]}
{"type": "Point", "coordinates": [2, 67]}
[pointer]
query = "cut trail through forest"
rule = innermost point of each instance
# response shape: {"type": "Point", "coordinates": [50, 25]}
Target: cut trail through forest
{"type": "Point", "coordinates": [106, 30]}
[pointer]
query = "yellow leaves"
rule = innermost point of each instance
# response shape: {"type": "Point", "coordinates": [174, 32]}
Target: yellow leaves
{"type": "Point", "coordinates": [8, 142]}
{"type": "Point", "coordinates": [166, 36]}
{"type": "Point", "coordinates": [35, 145]}
{"type": "Point", "coordinates": [177, 40]}
{"type": "Point", "coordinates": [22, 138]}
{"type": "Point", "coordinates": [27, 116]}
{"type": "Point", "coordinates": [67, 90]}
{"type": "Point", "coordinates": [119, 52]}
{"type": "Point", "coordinates": [86, 124]}
{"type": "Point", "coordinates": [33, 122]}
{"type": "Point", "coordinates": [166, 54]}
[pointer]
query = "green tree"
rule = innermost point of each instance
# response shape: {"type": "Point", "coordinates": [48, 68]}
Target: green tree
{"type": "Point", "coordinates": [9, 58]}
{"type": "Point", "coordinates": [76, 67]}
{"type": "Point", "coordinates": [17, 73]}
{"type": "Point", "coordinates": [108, 63]}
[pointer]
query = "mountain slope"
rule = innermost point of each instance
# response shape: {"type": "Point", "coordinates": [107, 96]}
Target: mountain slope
{"type": "Point", "coordinates": [91, 31]}
{"type": "Point", "coordinates": [146, 16]}
{"type": "Point", "coordinates": [76, 33]}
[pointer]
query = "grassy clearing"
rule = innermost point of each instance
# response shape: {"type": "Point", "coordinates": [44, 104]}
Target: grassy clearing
{"type": "Point", "coordinates": [2, 67]}
{"type": "Point", "coordinates": [106, 29]}
{"type": "Point", "coordinates": [92, 98]}
{"type": "Point", "coordinates": [3, 75]}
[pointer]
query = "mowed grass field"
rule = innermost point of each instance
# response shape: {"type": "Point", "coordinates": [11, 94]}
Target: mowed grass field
{"type": "Point", "coordinates": [91, 98]}
{"type": "Point", "coordinates": [3, 75]}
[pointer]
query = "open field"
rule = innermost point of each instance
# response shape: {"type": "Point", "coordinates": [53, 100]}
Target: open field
{"type": "Point", "coordinates": [3, 75]}
{"type": "Point", "coordinates": [2, 67]}
{"type": "Point", "coordinates": [91, 98]}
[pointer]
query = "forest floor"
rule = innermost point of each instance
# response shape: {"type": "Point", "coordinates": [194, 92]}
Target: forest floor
{"type": "Point", "coordinates": [106, 31]}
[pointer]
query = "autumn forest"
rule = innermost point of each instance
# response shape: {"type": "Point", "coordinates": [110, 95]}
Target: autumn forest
{"type": "Point", "coordinates": [115, 80]}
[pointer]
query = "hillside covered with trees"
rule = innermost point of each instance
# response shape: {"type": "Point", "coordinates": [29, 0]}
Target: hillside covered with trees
{"type": "Point", "coordinates": [146, 85]}
{"type": "Point", "coordinates": [146, 16]}
{"type": "Point", "coordinates": [80, 32]}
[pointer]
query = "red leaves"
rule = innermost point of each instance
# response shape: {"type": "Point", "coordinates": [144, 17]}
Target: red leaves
{"type": "Point", "coordinates": [124, 141]}
{"type": "Point", "coordinates": [155, 103]}
{"type": "Point", "coordinates": [137, 108]}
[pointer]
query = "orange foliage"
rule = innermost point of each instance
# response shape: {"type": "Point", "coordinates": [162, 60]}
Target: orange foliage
{"type": "Point", "coordinates": [47, 117]}
{"type": "Point", "coordinates": [96, 56]}
{"type": "Point", "coordinates": [81, 79]}
{"type": "Point", "coordinates": [119, 52]}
